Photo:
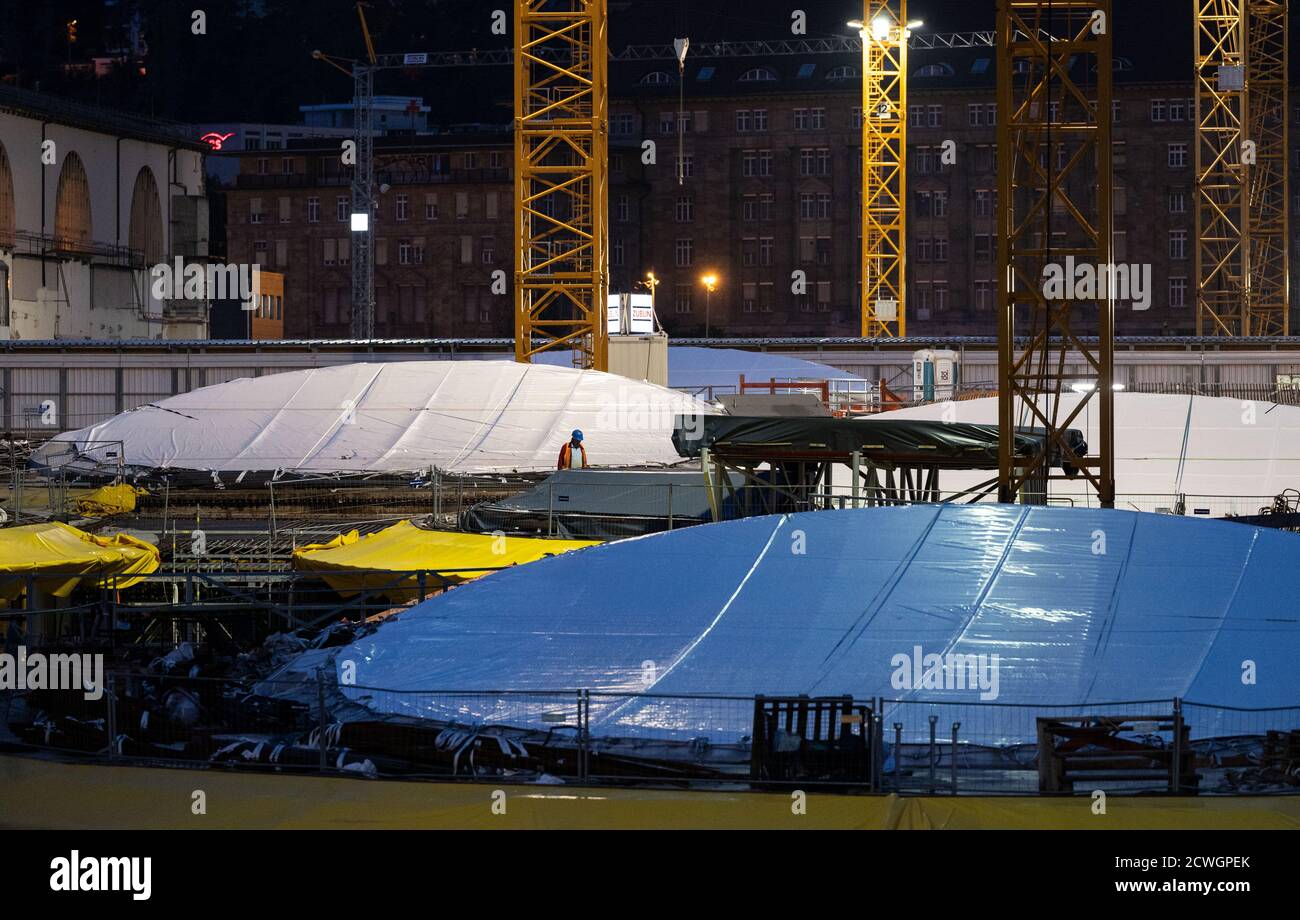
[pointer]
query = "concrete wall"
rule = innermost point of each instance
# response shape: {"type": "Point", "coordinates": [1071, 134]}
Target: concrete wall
{"type": "Point", "coordinates": [103, 291]}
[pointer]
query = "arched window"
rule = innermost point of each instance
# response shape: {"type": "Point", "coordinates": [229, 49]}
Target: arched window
{"type": "Point", "coordinates": [759, 75]}
{"type": "Point", "coordinates": [934, 70]}
{"type": "Point", "coordinates": [843, 73]}
{"type": "Point", "coordinates": [657, 78]}
{"type": "Point", "coordinates": [8, 219]}
{"type": "Point", "coordinates": [72, 204]}
{"type": "Point", "coordinates": [146, 232]}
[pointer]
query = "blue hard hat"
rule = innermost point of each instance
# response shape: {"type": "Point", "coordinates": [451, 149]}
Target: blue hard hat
{"type": "Point", "coordinates": [577, 435]}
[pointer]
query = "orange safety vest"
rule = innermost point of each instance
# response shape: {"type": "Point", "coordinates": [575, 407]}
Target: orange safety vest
{"type": "Point", "coordinates": [566, 455]}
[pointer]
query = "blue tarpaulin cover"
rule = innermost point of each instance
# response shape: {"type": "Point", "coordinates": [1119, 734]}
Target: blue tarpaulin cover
{"type": "Point", "coordinates": [1081, 606]}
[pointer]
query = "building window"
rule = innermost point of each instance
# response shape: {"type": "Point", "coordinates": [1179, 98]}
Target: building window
{"type": "Point", "coordinates": [286, 166]}
{"type": "Point", "coordinates": [1178, 244]}
{"type": "Point", "coordinates": [983, 202]}
{"type": "Point", "coordinates": [941, 249]}
{"type": "Point", "coordinates": [403, 207]}
{"type": "Point", "coordinates": [1177, 201]}
{"type": "Point", "coordinates": [685, 165]}
{"type": "Point", "coordinates": [682, 298]}
{"type": "Point", "coordinates": [823, 206]}
{"type": "Point", "coordinates": [623, 209]}
{"type": "Point", "coordinates": [1177, 293]}
{"type": "Point", "coordinates": [748, 297]}
{"type": "Point", "coordinates": [823, 296]}
{"type": "Point", "coordinates": [1177, 155]}
{"type": "Point", "coordinates": [934, 116]}
{"type": "Point", "coordinates": [685, 209]}
{"type": "Point", "coordinates": [1158, 109]}
{"type": "Point", "coordinates": [940, 204]}
{"type": "Point", "coordinates": [748, 252]}
{"type": "Point", "coordinates": [983, 296]}
{"type": "Point", "coordinates": [807, 206]}
{"type": "Point", "coordinates": [462, 205]}
{"type": "Point", "coordinates": [807, 161]}
{"type": "Point", "coordinates": [684, 252]}
{"type": "Point", "coordinates": [313, 210]}
{"type": "Point", "coordinates": [817, 119]}
{"type": "Point", "coordinates": [765, 164]}
{"type": "Point", "coordinates": [801, 119]}
{"type": "Point", "coordinates": [667, 122]}
{"type": "Point", "coordinates": [916, 116]}
{"type": "Point", "coordinates": [341, 209]}
{"type": "Point", "coordinates": [744, 121]}
{"type": "Point", "coordinates": [623, 124]}
{"type": "Point", "coordinates": [749, 208]}
{"type": "Point", "coordinates": [760, 120]}
{"type": "Point", "coordinates": [924, 249]}
{"type": "Point", "coordinates": [431, 206]}
{"type": "Point", "coordinates": [765, 207]}
{"type": "Point", "coordinates": [983, 247]}
{"type": "Point", "coordinates": [759, 75]}
{"type": "Point", "coordinates": [488, 247]}
{"type": "Point", "coordinates": [975, 115]}
{"type": "Point", "coordinates": [617, 253]}
{"type": "Point", "coordinates": [766, 246]}
{"type": "Point", "coordinates": [749, 163]}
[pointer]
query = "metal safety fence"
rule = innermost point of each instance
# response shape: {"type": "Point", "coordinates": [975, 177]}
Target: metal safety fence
{"type": "Point", "coordinates": [312, 717]}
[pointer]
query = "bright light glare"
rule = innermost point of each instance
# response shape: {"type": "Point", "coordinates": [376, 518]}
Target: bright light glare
{"type": "Point", "coordinates": [360, 222]}
{"type": "Point", "coordinates": [880, 28]}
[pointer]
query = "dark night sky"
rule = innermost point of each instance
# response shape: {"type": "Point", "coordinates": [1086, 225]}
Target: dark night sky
{"type": "Point", "coordinates": [260, 69]}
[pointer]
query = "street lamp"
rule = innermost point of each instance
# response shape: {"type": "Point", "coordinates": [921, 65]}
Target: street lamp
{"type": "Point", "coordinates": [710, 282]}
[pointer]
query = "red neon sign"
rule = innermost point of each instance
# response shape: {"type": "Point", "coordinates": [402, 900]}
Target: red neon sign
{"type": "Point", "coordinates": [215, 140]}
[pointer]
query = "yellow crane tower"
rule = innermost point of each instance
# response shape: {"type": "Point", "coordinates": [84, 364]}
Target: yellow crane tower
{"type": "Point", "coordinates": [1054, 151]}
{"type": "Point", "coordinates": [1240, 166]}
{"type": "Point", "coordinates": [884, 32]}
{"type": "Point", "coordinates": [561, 184]}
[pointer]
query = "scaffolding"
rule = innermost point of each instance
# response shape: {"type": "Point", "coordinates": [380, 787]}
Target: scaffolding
{"type": "Point", "coordinates": [1054, 207]}
{"type": "Point", "coordinates": [561, 183]}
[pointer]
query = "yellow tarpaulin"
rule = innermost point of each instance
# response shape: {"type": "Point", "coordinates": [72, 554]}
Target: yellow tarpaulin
{"type": "Point", "coordinates": [45, 549]}
{"type": "Point", "coordinates": [100, 502]}
{"type": "Point", "coordinates": [351, 563]}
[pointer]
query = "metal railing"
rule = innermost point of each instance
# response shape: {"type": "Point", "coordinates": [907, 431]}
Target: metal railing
{"type": "Point", "coordinates": [308, 721]}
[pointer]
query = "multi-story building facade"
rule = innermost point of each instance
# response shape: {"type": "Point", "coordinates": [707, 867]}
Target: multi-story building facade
{"type": "Point", "coordinates": [755, 179]}
{"type": "Point", "coordinates": [443, 231]}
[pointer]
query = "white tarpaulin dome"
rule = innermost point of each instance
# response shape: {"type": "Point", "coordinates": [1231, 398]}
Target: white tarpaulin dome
{"type": "Point", "coordinates": [1166, 446]}
{"type": "Point", "coordinates": [458, 416]}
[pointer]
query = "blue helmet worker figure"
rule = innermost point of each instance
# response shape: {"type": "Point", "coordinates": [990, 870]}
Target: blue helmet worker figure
{"type": "Point", "coordinates": [573, 455]}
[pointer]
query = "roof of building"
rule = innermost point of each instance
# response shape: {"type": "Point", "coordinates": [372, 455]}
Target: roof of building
{"type": "Point", "coordinates": [73, 114]}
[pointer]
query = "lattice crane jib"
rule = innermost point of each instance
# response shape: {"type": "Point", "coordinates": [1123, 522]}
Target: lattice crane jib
{"type": "Point", "coordinates": [884, 172]}
{"type": "Point", "coordinates": [561, 183]}
{"type": "Point", "coordinates": [1054, 216]}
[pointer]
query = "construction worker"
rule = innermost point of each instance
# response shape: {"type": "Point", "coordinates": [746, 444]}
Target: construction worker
{"type": "Point", "coordinates": [569, 453]}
